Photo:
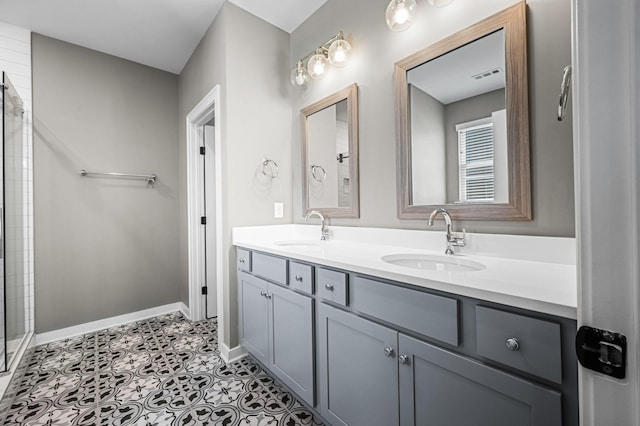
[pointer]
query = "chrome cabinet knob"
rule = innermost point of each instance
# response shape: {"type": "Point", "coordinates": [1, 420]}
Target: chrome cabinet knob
{"type": "Point", "coordinates": [512, 344]}
{"type": "Point", "coordinates": [328, 286]}
{"type": "Point", "coordinates": [241, 260]}
{"type": "Point", "coordinates": [268, 295]}
{"type": "Point", "coordinates": [263, 293]}
{"type": "Point", "coordinates": [388, 352]}
{"type": "Point", "coordinates": [403, 359]}
{"type": "Point", "coordinates": [299, 278]}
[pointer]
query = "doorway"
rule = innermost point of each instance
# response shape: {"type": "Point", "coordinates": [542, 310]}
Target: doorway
{"type": "Point", "coordinates": [204, 211]}
{"type": "Point", "coordinates": [207, 152]}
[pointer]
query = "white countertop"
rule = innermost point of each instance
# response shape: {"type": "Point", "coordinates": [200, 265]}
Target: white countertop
{"type": "Point", "coordinates": [535, 273]}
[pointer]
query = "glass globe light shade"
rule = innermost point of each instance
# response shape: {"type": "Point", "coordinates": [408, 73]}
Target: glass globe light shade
{"type": "Point", "coordinates": [440, 3]}
{"type": "Point", "coordinates": [339, 53]}
{"type": "Point", "coordinates": [400, 14]}
{"type": "Point", "coordinates": [299, 76]}
{"type": "Point", "coordinates": [318, 65]}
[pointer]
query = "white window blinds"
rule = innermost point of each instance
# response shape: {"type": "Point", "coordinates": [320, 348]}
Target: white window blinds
{"type": "Point", "coordinates": [475, 161]}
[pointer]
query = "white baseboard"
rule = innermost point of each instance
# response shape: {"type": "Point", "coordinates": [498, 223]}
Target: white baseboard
{"type": "Point", "coordinates": [76, 330]}
{"type": "Point", "coordinates": [231, 354]}
{"type": "Point", "coordinates": [185, 310]}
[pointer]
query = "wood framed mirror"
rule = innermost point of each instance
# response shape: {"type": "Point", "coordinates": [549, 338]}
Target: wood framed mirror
{"type": "Point", "coordinates": [462, 123]}
{"type": "Point", "coordinates": [330, 155]}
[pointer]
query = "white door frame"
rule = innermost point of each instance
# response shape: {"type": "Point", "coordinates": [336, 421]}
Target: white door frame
{"type": "Point", "coordinates": [606, 60]}
{"type": "Point", "coordinates": [202, 113]}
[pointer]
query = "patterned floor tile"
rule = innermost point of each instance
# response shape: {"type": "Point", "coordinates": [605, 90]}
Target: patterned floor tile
{"type": "Point", "coordinates": [261, 419]}
{"type": "Point", "coordinates": [56, 417]}
{"type": "Point", "coordinates": [205, 363]}
{"type": "Point", "coordinates": [162, 371]}
{"type": "Point", "coordinates": [300, 415]}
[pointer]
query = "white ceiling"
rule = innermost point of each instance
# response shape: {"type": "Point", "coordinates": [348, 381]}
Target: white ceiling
{"type": "Point", "coordinates": [159, 33]}
{"type": "Point", "coordinates": [450, 78]}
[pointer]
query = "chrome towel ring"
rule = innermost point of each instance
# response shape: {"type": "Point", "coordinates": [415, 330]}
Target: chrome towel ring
{"type": "Point", "coordinates": [318, 173]}
{"type": "Point", "coordinates": [270, 168]}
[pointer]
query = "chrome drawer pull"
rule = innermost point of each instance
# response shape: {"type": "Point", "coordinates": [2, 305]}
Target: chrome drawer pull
{"type": "Point", "coordinates": [512, 344]}
{"type": "Point", "coordinates": [299, 278]}
{"type": "Point", "coordinates": [328, 286]}
{"type": "Point", "coordinates": [388, 352]}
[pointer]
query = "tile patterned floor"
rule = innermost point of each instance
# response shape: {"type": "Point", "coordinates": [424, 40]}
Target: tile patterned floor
{"type": "Point", "coordinates": [161, 371]}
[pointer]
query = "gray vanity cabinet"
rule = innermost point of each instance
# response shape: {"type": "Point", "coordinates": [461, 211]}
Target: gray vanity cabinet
{"type": "Point", "coordinates": [438, 387]}
{"type": "Point", "coordinates": [277, 328]}
{"type": "Point", "coordinates": [358, 370]}
{"type": "Point", "coordinates": [254, 326]}
{"type": "Point", "coordinates": [291, 337]}
{"type": "Point", "coordinates": [389, 354]}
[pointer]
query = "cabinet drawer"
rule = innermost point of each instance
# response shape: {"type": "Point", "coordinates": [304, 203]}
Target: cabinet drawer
{"type": "Point", "coordinates": [244, 260]}
{"type": "Point", "coordinates": [528, 344]}
{"type": "Point", "coordinates": [269, 267]}
{"type": "Point", "coordinates": [300, 277]}
{"type": "Point", "coordinates": [332, 285]}
{"type": "Point", "coordinates": [428, 314]}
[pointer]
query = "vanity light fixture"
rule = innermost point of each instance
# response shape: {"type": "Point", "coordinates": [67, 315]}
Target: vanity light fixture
{"type": "Point", "coordinates": [336, 51]}
{"type": "Point", "coordinates": [299, 75]}
{"type": "Point", "coordinates": [400, 13]}
{"type": "Point", "coordinates": [318, 65]}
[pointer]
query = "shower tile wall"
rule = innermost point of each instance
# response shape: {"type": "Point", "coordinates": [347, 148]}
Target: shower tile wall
{"type": "Point", "coordinates": [342, 147]}
{"type": "Point", "coordinates": [15, 60]}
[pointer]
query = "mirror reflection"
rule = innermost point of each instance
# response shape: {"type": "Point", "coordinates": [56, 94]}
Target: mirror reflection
{"type": "Point", "coordinates": [330, 149]}
{"type": "Point", "coordinates": [462, 123]}
{"type": "Point", "coordinates": [328, 156]}
{"type": "Point", "coordinates": [458, 127]}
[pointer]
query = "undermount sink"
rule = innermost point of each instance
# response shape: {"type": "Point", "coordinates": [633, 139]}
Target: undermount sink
{"type": "Point", "coordinates": [300, 243]}
{"type": "Point", "coordinates": [433, 263]}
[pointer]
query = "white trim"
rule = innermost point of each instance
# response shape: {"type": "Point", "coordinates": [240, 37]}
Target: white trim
{"type": "Point", "coordinates": [468, 125]}
{"type": "Point", "coordinates": [6, 378]}
{"type": "Point", "coordinates": [207, 108]}
{"type": "Point", "coordinates": [231, 355]}
{"type": "Point", "coordinates": [76, 330]}
{"type": "Point", "coordinates": [606, 85]}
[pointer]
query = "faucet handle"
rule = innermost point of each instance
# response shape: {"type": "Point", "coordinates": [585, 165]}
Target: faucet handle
{"type": "Point", "coordinates": [325, 233]}
{"type": "Point", "coordinates": [458, 241]}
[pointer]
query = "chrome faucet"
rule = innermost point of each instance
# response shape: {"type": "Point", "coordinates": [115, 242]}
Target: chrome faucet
{"type": "Point", "coordinates": [323, 225]}
{"type": "Point", "coordinates": [452, 240]}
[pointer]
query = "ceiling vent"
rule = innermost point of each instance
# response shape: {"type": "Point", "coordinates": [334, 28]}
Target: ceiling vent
{"type": "Point", "coordinates": [490, 73]}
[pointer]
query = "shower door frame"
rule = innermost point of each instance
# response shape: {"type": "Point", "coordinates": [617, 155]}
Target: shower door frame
{"type": "Point", "coordinates": [11, 361]}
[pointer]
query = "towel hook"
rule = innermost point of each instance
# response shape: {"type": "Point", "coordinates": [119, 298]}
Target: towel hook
{"type": "Point", "coordinates": [564, 92]}
{"type": "Point", "coordinates": [272, 166]}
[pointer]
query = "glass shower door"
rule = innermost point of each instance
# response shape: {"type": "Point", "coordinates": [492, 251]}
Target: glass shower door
{"type": "Point", "coordinates": [12, 212]}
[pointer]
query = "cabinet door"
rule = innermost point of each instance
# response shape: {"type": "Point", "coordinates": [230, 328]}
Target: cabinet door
{"type": "Point", "coordinates": [438, 387]}
{"type": "Point", "coordinates": [359, 380]}
{"type": "Point", "coordinates": [254, 328]}
{"type": "Point", "coordinates": [291, 350]}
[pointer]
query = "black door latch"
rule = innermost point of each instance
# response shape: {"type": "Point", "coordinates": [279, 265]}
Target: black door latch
{"type": "Point", "coordinates": [602, 351]}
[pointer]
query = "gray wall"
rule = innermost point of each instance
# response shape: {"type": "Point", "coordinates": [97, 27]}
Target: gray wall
{"type": "Point", "coordinates": [428, 149]}
{"type": "Point", "coordinates": [376, 49]}
{"type": "Point", "coordinates": [103, 247]}
{"type": "Point", "coordinates": [248, 58]}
